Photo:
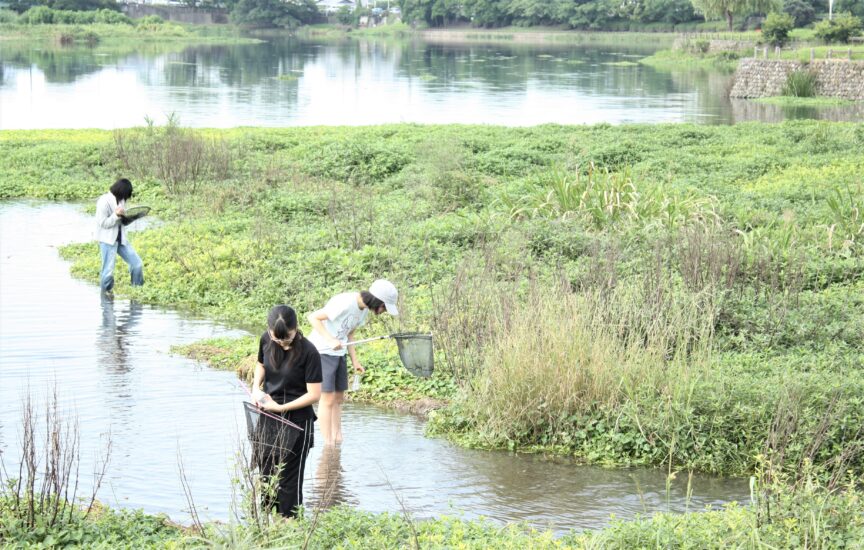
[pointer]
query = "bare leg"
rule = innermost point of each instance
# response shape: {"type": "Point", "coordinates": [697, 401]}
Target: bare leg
{"type": "Point", "coordinates": [325, 416]}
{"type": "Point", "coordinates": [336, 421]}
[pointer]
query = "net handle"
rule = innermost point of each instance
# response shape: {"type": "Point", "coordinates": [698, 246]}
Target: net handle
{"type": "Point", "coordinates": [373, 339]}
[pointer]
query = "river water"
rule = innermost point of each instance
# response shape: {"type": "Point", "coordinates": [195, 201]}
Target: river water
{"type": "Point", "coordinates": [286, 82]}
{"type": "Point", "coordinates": [110, 363]}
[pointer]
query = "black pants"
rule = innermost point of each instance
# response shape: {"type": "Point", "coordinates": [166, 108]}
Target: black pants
{"type": "Point", "coordinates": [290, 462]}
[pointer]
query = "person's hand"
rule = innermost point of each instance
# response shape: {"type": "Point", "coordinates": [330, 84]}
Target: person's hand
{"type": "Point", "coordinates": [358, 368]}
{"type": "Point", "coordinates": [271, 406]}
{"type": "Point", "coordinates": [335, 344]}
{"type": "Point", "coordinates": [119, 211]}
{"type": "Point", "coordinates": [258, 395]}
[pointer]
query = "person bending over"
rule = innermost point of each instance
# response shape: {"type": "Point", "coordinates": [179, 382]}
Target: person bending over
{"type": "Point", "coordinates": [334, 327]}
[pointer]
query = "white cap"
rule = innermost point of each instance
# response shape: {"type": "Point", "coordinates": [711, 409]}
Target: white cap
{"type": "Point", "coordinates": [386, 292]}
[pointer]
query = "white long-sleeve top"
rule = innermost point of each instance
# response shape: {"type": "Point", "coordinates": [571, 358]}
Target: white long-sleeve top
{"type": "Point", "coordinates": [107, 222]}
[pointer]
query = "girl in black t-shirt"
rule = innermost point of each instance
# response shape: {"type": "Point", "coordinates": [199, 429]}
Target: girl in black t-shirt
{"type": "Point", "coordinates": [289, 368]}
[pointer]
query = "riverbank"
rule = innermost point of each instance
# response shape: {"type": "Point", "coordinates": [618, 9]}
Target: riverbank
{"type": "Point", "coordinates": [121, 33]}
{"type": "Point", "coordinates": [806, 516]}
{"type": "Point", "coordinates": [749, 230]}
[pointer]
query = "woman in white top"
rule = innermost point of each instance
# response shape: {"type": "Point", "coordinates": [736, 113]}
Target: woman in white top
{"type": "Point", "coordinates": [334, 327]}
{"type": "Point", "coordinates": [112, 237]}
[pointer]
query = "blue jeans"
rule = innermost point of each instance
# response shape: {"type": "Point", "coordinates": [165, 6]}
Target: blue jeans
{"type": "Point", "coordinates": [109, 258]}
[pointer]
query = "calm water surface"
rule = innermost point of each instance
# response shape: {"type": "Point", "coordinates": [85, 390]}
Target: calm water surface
{"type": "Point", "coordinates": [287, 82]}
{"type": "Point", "coordinates": [112, 368]}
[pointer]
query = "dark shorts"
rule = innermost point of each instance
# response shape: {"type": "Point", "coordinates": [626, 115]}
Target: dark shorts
{"type": "Point", "coordinates": [334, 373]}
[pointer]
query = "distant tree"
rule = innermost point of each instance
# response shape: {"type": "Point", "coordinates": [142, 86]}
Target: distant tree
{"type": "Point", "coordinates": [487, 13]}
{"type": "Point", "coordinates": [665, 11]}
{"type": "Point", "coordinates": [434, 13]}
{"type": "Point", "coordinates": [775, 29]}
{"type": "Point", "coordinates": [728, 8]}
{"type": "Point", "coordinates": [840, 29]}
{"type": "Point", "coordinates": [275, 13]}
{"type": "Point", "coordinates": [21, 6]}
{"type": "Point", "coordinates": [802, 12]}
{"type": "Point", "coordinates": [855, 7]}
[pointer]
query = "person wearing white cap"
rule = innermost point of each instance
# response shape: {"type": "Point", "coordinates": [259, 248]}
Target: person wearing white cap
{"type": "Point", "coordinates": [333, 327]}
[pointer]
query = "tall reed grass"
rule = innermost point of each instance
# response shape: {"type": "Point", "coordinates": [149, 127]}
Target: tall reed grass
{"type": "Point", "coordinates": [800, 83]}
{"type": "Point", "coordinates": [571, 353]}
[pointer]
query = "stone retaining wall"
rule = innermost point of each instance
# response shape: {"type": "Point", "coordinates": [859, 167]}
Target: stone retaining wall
{"type": "Point", "coordinates": [766, 77]}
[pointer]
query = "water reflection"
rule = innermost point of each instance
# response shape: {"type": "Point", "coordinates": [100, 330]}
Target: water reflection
{"type": "Point", "coordinates": [116, 330]}
{"type": "Point", "coordinates": [330, 488]}
{"type": "Point", "coordinates": [287, 82]}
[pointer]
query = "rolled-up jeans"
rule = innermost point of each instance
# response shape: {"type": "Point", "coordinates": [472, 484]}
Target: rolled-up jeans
{"type": "Point", "coordinates": [109, 258]}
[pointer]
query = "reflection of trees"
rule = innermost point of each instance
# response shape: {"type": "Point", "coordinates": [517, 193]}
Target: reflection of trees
{"type": "Point", "coordinates": [233, 66]}
{"type": "Point", "coordinates": [68, 64]}
{"type": "Point", "coordinates": [712, 91]}
{"type": "Point", "coordinates": [511, 67]}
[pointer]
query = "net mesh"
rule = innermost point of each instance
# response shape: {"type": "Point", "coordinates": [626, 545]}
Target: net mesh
{"type": "Point", "coordinates": [271, 439]}
{"type": "Point", "coordinates": [415, 351]}
{"type": "Point", "coordinates": [134, 213]}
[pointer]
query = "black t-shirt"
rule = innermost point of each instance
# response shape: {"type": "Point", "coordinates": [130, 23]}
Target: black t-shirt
{"type": "Point", "coordinates": [287, 382]}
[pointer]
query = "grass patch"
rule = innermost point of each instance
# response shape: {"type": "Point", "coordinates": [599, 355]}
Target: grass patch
{"type": "Point", "coordinates": [679, 59]}
{"type": "Point", "coordinates": [789, 101]}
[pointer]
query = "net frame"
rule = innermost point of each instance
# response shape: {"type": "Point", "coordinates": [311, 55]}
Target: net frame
{"type": "Point", "coordinates": [134, 213]}
{"type": "Point", "coordinates": [271, 439]}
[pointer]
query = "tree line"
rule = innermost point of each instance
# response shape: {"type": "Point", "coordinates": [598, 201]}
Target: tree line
{"type": "Point", "coordinates": [573, 14]}
{"type": "Point", "coordinates": [605, 14]}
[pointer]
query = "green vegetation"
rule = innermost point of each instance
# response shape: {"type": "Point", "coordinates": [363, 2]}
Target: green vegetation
{"type": "Point", "coordinates": [698, 58]}
{"type": "Point", "coordinates": [805, 517]}
{"type": "Point", "coordinates": [727, 9]}
{"type": "Point", "coordinates": [839, 29]}
{"type": "Point", "coordinates": [790, 101]}
{"type": "Point", "coordinates": [709, 279]}
{"type": "Point", "coordinates": [776, 28]}
{"type": "Point", "coordinates": [800, 83]}
{"type": "Point", "coordinates": [105, 26]}
{"type": "Point", "coordinates": [681, 295]}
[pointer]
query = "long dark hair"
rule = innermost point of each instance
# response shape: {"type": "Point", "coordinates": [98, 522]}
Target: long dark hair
{"type": "Point", "coordinates": [122, 189]}
{"type": "Point", "coordinates": [282, 320]}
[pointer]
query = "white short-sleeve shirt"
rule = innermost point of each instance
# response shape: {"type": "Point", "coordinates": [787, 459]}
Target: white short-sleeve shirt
{"type": "Point", "coordinates": [343, 316]}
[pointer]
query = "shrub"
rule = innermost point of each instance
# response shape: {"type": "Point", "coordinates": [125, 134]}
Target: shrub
{"type": "Point", "coordinates": [800, 83]}
{"type": "Point", "coordinates": [802, 12]}
{"type": "Point", "coordinates": [38, 15]}
{"type": "Point", "coordinates": [840, 29]}
{"type": "Point", "coordinates": [8, 16]}
{"type": "Point", "coordinates": [150, 20]}
{"type": "Point", "coordinates": [775, 29]}
{"type": "Point", "coordinates": [178, 157]}
{"type": "Point", "coordinates": [111, 17]}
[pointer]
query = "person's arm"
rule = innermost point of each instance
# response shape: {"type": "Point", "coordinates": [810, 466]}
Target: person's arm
{"type": "Point", "coordinates": [257, 381]}
{"type": "Point", "coordinates": [312, 395]}
{"type": "Point", "coordinates": [316, 319]}
{"type": "Point", "coordinates": [107, 218]}
{"type": "Point", "coordinates": [355, 363]}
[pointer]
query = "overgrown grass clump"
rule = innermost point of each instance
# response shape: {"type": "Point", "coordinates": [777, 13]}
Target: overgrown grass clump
{"type": "Point", "coordinates": [800, 83]}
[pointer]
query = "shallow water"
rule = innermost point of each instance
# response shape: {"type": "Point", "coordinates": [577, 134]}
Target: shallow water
{"type": "Point", "coordinates": [112, 368]}
{"type": "Point", "coordinates": [287, 82]}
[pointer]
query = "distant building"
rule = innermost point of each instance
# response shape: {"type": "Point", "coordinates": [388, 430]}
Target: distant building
{"type": "Point", "coordinates": [332, 6]}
